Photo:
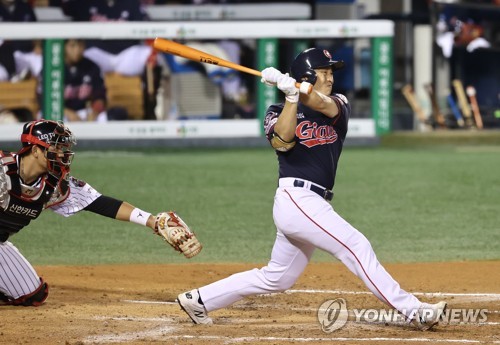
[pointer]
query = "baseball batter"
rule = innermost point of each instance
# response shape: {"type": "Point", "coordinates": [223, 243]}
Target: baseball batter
{"type": "Point", "coordinates": [308, 133]}
{"type": "Point", "coordinates": [37, 178]}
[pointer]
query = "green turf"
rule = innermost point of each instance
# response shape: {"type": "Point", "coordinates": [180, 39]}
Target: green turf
{"type": "Point", "coordinates": [413, 205]}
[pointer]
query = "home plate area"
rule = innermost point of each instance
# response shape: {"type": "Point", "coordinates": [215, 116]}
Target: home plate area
{"type": "Point", "coordinates": [135, 304]}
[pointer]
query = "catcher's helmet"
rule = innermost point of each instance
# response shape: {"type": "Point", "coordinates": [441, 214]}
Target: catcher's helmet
{"type": "Point", "coordinates": [50, 134]}
{"type": "Point", "coordinates": [310, 59]}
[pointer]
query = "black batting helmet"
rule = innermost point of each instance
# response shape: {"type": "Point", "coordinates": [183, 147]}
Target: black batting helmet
{"type": "Point", "coordinates": [310, 59]}
{"type": "Point", "coordinates": [47, 133]}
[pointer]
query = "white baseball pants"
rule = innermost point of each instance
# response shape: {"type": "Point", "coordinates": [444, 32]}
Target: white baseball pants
{"type": "Point", "coordinates": [17, 277]}
{"type": "Point", "coordinates": [304, 222]}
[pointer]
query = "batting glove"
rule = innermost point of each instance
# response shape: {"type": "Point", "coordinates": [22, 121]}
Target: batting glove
{"type": "Point", "coordinates": [270, 76]}
{"type": "Point", "coordinates": [287, 85]}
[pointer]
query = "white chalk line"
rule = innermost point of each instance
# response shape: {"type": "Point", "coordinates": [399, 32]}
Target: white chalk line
{"type": "Point", "coordinates": [133, 318]}
{"type": "Point", "coordinates": [426, 294]}
{"type": "Point", "coordinates": [148, 302]}
{"type": "Point", "coordinates": [158, 332]}
{"type": "Point", "coordinates": [163, 332]}
{"type": "Point", "coordinates": [350, 313]}
{"type": "Point", "coordinates": [344, 292]}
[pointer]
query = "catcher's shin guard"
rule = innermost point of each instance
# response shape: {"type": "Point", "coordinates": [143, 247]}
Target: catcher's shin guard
{"type": "Point", "coordinates": [3, 298]}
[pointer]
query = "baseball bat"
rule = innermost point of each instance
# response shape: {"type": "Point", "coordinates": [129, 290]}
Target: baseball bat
{"type": "Point", "coordinates": [436, 111]}
{"type": "Point", "coordinates": [454, 109]}
{"type": "Point", "coordinates": [171, 47]}
{"type": "Point", "coordinates": [462, 101]}
{"type": "Point", "coordinates": [471, 92]}
{"type": "Point", "coordinates": [410, 97]}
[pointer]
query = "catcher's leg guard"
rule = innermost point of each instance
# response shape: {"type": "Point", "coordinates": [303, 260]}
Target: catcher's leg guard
{"type": "Point", "coordinates": [3, 298]}
{"type": "Point", "coordinates": [34, 299]}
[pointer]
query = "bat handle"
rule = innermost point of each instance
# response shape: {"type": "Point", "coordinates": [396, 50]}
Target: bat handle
{"type": "Point", "coordinates": [304, 87]}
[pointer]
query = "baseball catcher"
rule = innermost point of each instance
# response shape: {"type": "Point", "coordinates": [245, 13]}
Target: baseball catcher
{"type": "Point", "coordinates": [37, 177]}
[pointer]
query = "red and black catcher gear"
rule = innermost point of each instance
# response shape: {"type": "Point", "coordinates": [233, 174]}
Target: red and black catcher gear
{"type": "Point", "coordinates": [56, 139]}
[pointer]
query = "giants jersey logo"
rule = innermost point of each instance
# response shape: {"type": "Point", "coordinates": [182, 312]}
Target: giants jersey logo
{"type": "Point", "coordinates": [310, 134]}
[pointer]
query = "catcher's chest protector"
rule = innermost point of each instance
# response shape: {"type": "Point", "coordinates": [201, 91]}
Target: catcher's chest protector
{"type": "Point", "coordinates": [20, 206]}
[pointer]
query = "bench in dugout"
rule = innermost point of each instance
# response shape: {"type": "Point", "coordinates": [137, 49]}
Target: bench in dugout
{"type": "Point", "coordinates": [125, 92]}
{"type": "Point", "coordinates": [19, 95]}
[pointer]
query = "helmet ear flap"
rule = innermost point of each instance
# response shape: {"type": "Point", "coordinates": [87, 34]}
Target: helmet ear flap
{"type": "Point", "coordinates": [309, 76]}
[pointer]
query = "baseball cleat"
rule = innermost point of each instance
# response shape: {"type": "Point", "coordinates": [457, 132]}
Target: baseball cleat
{"type": "Point", "coordinates": [192, 304]}
{"type": "Point", "coordinates": [428, 315]}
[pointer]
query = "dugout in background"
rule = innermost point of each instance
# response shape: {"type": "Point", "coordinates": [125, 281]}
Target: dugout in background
{"type": "Point", "coordinates": [466, 37]}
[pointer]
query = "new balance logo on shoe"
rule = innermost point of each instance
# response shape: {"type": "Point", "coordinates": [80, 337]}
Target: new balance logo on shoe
{"type": "Point", "coordinates": [192, 305]}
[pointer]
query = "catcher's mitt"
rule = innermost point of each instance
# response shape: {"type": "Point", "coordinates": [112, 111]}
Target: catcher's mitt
{"type": "Point", "coordinates": [176, 233]}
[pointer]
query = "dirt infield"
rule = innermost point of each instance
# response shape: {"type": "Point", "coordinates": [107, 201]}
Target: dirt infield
{"type": "Point", "coordinates": [133, 304]}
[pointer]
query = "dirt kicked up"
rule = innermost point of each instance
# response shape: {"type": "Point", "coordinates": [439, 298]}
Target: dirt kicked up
{"type": "Point", "coordinates": [134, 304]}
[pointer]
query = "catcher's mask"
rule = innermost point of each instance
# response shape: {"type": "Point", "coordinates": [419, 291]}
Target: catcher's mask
{"type": "Point", "coordinates": [56, 140]}
{"type": "Point", "coordinates": [313, 58]}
